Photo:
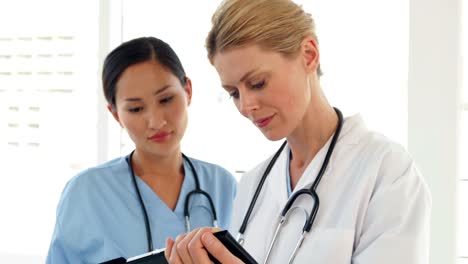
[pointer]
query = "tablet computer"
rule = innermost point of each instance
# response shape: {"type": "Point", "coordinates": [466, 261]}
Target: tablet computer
{"type": "Point", "coordinates": [154, 257]}
{"type": "Point", "coordinates": [157, 256]}
{"type": "Point", "coordinates": [235, 248]}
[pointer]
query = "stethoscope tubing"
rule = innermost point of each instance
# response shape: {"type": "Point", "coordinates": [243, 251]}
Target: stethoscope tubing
{"type": "Point", "coordinates": [310, 192]}
{"type": "Point", "coordinates": [197, 190]}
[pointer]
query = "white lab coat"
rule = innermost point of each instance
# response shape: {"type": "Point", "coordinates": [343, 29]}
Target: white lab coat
{"type": "Point", "coordinates": [374, 205]}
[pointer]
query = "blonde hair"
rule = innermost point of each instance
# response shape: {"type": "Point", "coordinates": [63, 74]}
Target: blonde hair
{"type": "Point", "coordinates": [276, 25]}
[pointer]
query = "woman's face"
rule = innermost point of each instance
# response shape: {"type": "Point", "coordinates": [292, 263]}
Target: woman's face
{"type": "Point", "coordinates": [151, 104]}
{"type": "Point", "coordinates": [269, 89]}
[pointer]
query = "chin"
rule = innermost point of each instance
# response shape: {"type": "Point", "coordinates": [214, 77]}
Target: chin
{"type": "Point", "coordinates": [272, 136]}
{"type": "Point", "coordinates": [161, 149]}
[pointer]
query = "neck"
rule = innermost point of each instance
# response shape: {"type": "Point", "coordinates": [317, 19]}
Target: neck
{"type": "Point", "coordinates": [148, 165]}
{"type": "Point", "coordinates": [163, 174]}
{"type": "Point", "coordinates": [316, 128]}
{"type": "Point", "coordinates": [313, 133]}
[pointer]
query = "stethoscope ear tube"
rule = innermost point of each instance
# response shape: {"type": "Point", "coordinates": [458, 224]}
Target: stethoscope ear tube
{"type": "Point", "coordinates": [142, 204]}
{"type": "Point", "coordinates": [259, 189]}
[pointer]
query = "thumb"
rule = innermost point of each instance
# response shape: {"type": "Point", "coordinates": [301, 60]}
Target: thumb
{"type": "Point", "coordinates": [218, 250]}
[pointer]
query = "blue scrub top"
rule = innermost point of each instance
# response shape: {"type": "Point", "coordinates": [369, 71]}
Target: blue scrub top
{"type": "Point", "coordinates": [100, 218]}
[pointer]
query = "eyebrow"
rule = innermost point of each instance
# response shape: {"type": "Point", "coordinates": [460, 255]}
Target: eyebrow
{"type": "Point", "coordinates": [247, 75]}
{"type": "Point", "coordinates": [244, 77]}
{"type": "Point", "coordinates": [160, 90]}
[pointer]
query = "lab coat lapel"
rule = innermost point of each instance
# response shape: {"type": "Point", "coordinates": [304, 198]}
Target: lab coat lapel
{"type": "Point", "coordinates": [277, 180]}
{"type": "Point", "coordinates": [268, 208]}
{"type": "Point", "coordinates": [312, 170]}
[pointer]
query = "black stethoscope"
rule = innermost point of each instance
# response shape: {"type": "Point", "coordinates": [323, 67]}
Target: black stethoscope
{"type": "Point", "coordinates": [197, 190]}
{"type": "Point", "coordinates": [310, 192]}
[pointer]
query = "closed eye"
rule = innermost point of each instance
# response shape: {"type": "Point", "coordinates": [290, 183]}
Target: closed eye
{"type": "Point", "coordinates": [166, 100]}
{"type": "Point", "coordinates": [258, 85]}
{"type": "Point", "coordinates": [135, 109]}
{"type": "Point", "coordinates": [234, 94]}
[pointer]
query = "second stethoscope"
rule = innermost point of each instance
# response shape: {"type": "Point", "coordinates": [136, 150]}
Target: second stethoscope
{"type": "Point", "coordinates": [197, 190]}
{"type": "Point", "coordinates": [288, 207]}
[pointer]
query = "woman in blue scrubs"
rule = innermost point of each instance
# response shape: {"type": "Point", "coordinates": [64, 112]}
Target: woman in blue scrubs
{"type": "Point", "coordinates": [103, 211]}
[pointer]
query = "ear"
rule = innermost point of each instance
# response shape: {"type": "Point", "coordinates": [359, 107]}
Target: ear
{"type": "Point", "coordinates": [310, 54]}
{"type": "Point", "coordinates": [114, 113]}
{"type": "Point", "coordinates": [188, 90]}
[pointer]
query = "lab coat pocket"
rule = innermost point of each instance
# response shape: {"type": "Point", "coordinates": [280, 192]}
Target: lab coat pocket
{"type": "Point", "coordinates": [331, 246]}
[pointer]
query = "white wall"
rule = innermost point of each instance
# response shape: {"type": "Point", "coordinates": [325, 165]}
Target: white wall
{"type": "Point", "coordinates": [433, 112]}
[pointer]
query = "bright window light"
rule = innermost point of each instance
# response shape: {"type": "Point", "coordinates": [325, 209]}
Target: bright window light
{"type": "Point", "coordinates": [48, 80]}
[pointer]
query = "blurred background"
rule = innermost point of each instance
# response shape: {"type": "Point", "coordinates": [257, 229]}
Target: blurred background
{"type": "Point", "coordinates": [398, 63]}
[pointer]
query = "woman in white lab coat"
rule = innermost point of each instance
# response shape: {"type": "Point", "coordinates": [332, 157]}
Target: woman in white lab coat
{"type": "Point", "coordinates": [373, 205]}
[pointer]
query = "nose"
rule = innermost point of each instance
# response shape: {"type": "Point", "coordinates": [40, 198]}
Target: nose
{"type": "Point", "coordinates": [156, 119]}
{"type": "Point", "coordinates": [247, 103]}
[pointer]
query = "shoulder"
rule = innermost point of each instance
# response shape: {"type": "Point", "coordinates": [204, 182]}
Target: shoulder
{"type": "Point", "coordinates": [212, 172]}
{"type": "Point", "coordinates": [390, 157]}
{"type": "Point", "coordinates": [383, 159]}
{"type": "Point", "coordinates": [355, 134]}
{"type": "Point", "coordinates": [220, 184]}
{"type": "Point", "coordinates": [99, 173]}
{"type": "Point", "coordinates": [92, 181]}
{"type": "Point", "coordinates": [371, 147]}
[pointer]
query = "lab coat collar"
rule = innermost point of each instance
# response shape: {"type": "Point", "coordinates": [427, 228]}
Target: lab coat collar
{"type": "Point", "coordinates": [277, 179]}
{"type": "Point", "coordinates": [352, 131]}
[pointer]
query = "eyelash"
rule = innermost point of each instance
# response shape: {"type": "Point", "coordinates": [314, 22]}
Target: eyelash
{"type": "Point", "coordinates": [258, 85]}
{"type": "Point", "coordinates": [135, 109]}
{"type": "Point", "coordinates": [255, 86]}
{"type": "Point", "coordinates": [234, 94]}
{"type": "Point", "coordinates": [166, 99]}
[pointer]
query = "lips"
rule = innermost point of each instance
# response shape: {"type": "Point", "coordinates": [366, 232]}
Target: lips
{"type": "Point", "coordinates": [263, 122]}
{"type": "Point", "coordinates": [159, 137]}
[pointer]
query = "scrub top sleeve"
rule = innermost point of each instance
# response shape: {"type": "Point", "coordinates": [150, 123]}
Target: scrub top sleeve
{"type": "Point", "coordinates": [224, 196]}
{"type": "Point", "coordinates": [58, 252]}
{"type": "Point", "coordinates": [396, 224]}
{"type": "Point", "coordinates": [233, 187]}
{"type": "Point", "coordinates": [233, 191]}
{"type": "Point", "coordinates": [64, 244]}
